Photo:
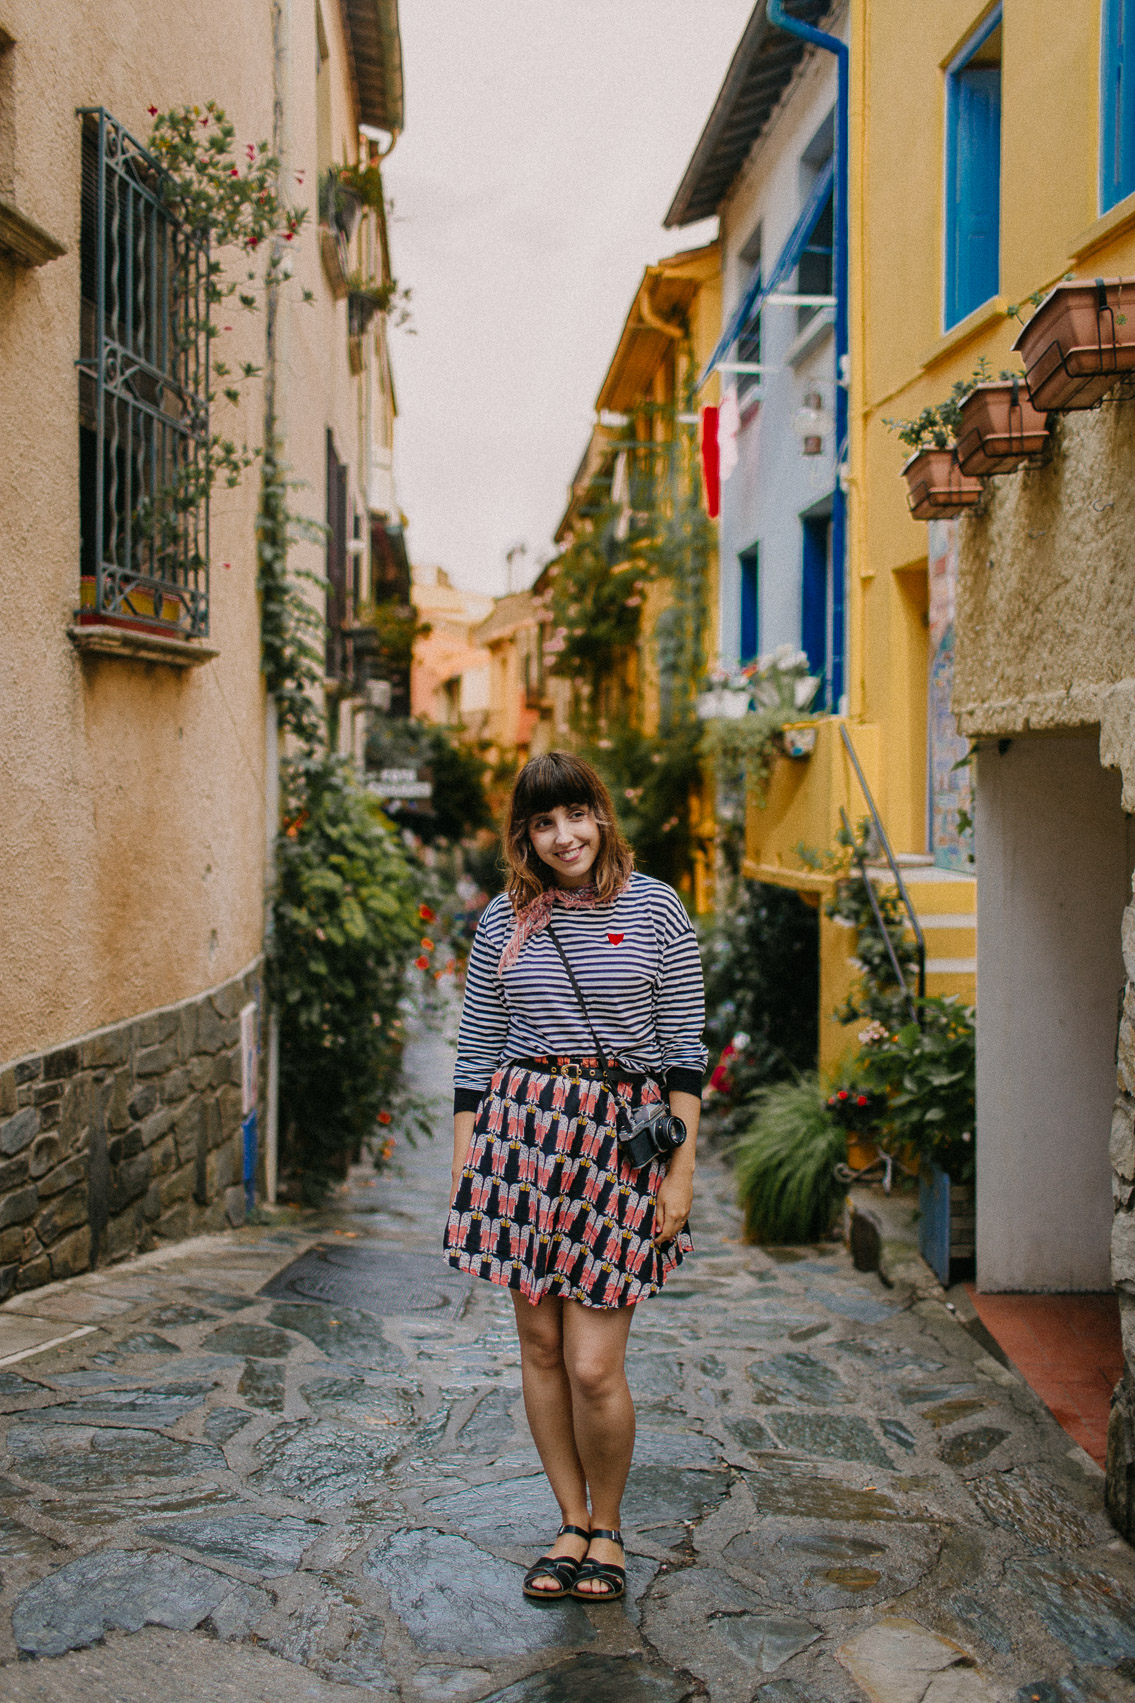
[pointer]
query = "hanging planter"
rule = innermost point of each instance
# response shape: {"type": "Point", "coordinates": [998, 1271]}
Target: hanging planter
{"type": "Point", "coordinates": [999, 428]}
{"type": "Point", "coordinates": [937, 488]}
{"type": "Point", "coordinates": [1079, 341]}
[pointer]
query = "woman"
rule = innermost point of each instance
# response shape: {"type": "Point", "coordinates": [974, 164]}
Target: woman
{"type": "Point", "coordinates": [543, 1200]}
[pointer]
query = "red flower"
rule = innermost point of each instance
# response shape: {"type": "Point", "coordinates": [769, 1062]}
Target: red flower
{"type": "Point", "coordinates": [235, 172]}
{"type": "Point", "coordinates": [153, 111]}
{"type": "Point", "coordinates": [422, 963]}
{"type": "Point", "coordinates": [384, 1117]}
{"type": "Point", "coordinates": [842, 1095]}
{"type": "Point", "coordinates": [862, 1100]}
{"type": "Point", "coordinates": [425, 913]}
{"type": "Point", "coordinates": [427, 945]}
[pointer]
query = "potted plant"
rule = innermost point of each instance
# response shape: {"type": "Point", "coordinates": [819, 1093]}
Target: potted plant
{"type": "Point", "coordinates": [365, 298]}
{"type": "Point", "coordinates": [1079, 341]}
{"type": "Point", "coordinates": [925, 1071]}
{"type": "Point", "coordinates": [339, 207]}
{"type": "Point", "coordinates": [937, 488]}
{"type": "Point", "coordinates": [999, 427]}
{"type": "Point", "coordinates": [857, 1109]}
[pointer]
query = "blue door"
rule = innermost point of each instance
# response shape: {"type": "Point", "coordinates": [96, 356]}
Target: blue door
{"type": "Point", "coordinates": [973, 189]}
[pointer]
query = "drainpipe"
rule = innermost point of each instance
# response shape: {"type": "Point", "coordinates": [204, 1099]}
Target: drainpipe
{"type": "Point", "coordinates": [832, 44]}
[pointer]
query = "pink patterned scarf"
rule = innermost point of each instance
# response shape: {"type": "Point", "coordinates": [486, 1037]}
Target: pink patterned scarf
{"type": "Point", "coordinates": [538, 915]}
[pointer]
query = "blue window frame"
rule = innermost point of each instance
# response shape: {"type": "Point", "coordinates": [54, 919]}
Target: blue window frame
{"type": "Point", "coordinates": [750, 605]}
{"type": "Point", "coordinates": [1117, 102]}
{"type": "Point", "coordinates": [814, 611]}
{"type": "Point", "coordinates": [973, 173]}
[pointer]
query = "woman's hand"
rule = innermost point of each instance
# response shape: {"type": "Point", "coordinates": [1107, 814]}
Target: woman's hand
{"type": "Point", "coordinates": [675, 1198]}
{"type": "Point", "coordinates": [462, 1141]}
{"type": "Point", "coordinates": [676, 1190]}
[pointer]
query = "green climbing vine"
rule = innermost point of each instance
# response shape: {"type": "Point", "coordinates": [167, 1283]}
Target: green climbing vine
{"type": "Point", "coordinates": [347, 916]}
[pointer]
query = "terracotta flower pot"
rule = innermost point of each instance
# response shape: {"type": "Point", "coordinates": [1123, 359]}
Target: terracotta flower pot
{"type": "Point", "coordinates": [1079, 341]}
{"type": "Point", "coordinates": [937, 487]}
{"type": "Point", "coordinates": [999, 428]}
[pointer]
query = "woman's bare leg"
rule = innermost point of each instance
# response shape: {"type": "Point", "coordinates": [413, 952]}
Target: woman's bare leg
{"type": "Point", "coordinates": [594, 1352]}
{"type": "Point", "coordinates": [548, 1404]}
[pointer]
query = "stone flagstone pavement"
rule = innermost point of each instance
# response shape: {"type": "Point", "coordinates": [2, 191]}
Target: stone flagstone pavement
{"type": "Point", "coordinates": [231, 1476]}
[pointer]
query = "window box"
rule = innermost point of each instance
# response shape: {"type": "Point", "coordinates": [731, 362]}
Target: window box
{"type": "Point", "coordinates": [1078, 343]}
{"type": "Point", "coordinates": [936, 486]}
{"type": "Point", "coordinates": [999, 428]}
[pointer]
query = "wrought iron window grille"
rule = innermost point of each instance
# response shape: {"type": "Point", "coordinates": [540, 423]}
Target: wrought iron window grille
{"type": "Point", "coordinates": [143, 394]}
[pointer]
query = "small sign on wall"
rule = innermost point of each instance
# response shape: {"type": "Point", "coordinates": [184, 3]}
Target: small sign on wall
{"type": "Point", "coordinates": [249, 1094]}
{"type": "Point", "coordinates": [249, 1059]}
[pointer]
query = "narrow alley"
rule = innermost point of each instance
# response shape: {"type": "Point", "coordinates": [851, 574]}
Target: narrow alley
{"type": "Point", "coordinates": [250, 1469]}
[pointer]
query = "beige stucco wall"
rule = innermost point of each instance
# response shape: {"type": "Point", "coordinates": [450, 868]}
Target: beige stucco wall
{"type": "Point", "coordinates": [132, 830]}
{"type": "Point", "coordinates": [1046, 594]}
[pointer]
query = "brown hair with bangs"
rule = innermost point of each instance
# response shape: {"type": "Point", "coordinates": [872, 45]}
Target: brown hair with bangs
{"type": "Point", "coordinates": [559, 778]}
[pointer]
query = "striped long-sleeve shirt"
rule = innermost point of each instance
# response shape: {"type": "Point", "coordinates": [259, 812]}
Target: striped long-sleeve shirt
{"type": "Point", "coordinates": [637, 962]}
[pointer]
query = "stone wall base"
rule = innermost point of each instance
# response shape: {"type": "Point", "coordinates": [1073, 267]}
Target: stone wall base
{"type": "Point", "coordinates": [1120, 1485]}
{"type": "Point", "coordinates": [123, 1138]}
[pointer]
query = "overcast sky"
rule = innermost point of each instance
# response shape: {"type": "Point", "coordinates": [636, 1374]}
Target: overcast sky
{"type": "Point", "coordinates": [544, 140]}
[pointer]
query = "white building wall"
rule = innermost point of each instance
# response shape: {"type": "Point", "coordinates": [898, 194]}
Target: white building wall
{"type": "Point", "coordinates": [774, 483]}
{"type": "Point", "coordinates": [1056, 859]}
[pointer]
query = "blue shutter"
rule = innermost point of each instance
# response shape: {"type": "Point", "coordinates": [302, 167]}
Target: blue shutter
{"type": "Point", "coordinates": [750, 606]}
{"type": "Point", "coordinates": [814, 597]}
{"type": "Point", "coordinates": [973, 210]}
{"type": "Point", "coordinates": [1117, 102]}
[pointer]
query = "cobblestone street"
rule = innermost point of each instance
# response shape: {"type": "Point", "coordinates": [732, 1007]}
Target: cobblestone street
{"type": "Point", "coordinates": [248, 1481]}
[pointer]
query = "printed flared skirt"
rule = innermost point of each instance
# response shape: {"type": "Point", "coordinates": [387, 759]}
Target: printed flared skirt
{"type": "Point", "coordinates": [546, 1205]}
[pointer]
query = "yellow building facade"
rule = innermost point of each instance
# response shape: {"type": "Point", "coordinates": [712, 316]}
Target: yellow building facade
{"type": "Point", "coordinates": [647, 396]}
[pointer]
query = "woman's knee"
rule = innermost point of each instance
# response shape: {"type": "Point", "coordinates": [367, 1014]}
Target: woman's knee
{"type": "Point", "coordinates": [542, 1342]}
{"type": "Point", "coordinates": [595, 1374]}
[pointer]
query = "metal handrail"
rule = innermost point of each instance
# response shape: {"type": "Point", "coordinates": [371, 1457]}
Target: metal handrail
{"type": "Point", "coordinates": [881, 835]}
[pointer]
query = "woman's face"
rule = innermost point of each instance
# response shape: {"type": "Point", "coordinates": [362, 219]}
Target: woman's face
{"type": "Point", "coordinates": [567, 840]}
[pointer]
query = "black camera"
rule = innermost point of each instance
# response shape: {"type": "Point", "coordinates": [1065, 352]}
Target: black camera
{"type": "Point", "coordinates": [654, 1133]}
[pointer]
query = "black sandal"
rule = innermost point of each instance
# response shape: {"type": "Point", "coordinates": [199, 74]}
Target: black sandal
{"type": "Point", "coordinates": [606, 1572]}
{"type": "Point", "coordinates": [563, 1568]}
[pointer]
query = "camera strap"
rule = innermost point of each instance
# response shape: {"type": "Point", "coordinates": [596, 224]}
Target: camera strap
{"type": "Point", "coordinates": [604, 1067]}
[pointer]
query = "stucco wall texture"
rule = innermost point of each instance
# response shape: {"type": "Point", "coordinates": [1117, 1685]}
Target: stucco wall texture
{"type": "Point", "coordinates": [131, 837]}
{"type": "Point", "coordinates": [1046, 593]}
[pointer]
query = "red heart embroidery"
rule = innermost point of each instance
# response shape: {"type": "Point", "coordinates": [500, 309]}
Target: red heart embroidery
{"type": "Point", "coordinates": [615, 939]}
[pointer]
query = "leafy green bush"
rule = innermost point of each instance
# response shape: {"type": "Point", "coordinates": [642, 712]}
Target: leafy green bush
{"type": "Point", "coordinates": [924, 1077]}
{"type": "Point", "coordinates": [762, 976]}
{"type": "Point", "coordinates": [345, 929]}
{"type": "Point", "coordinates": [785, 1163]}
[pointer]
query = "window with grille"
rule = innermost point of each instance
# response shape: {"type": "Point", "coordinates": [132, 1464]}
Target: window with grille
{"type": "Point", "coordinates": [143, 395]}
